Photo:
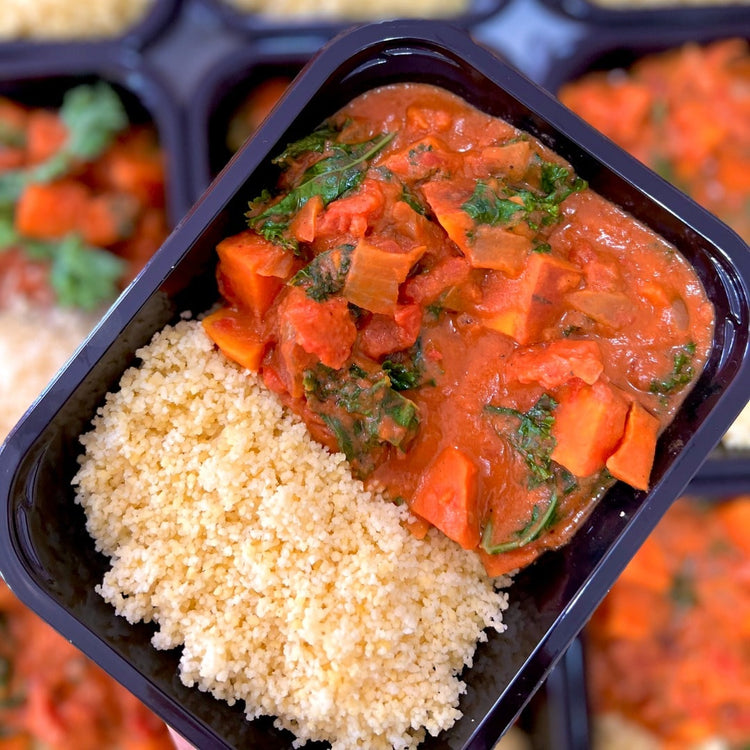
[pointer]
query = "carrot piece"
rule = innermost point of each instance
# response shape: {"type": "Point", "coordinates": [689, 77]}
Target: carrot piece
{"type": "Point", "coordinates": [507, 562]}
{"type": "Point", "coordinates": [540, 290]}
{"type": "Point", "coordinates": [632, 460]}
{"type": "Point", "coordinates": [554, 363]}
{"type": "Point", "coordinates": [649, 568]}
{"type": "Point", "coordinates": [45, 135]}
{"type": "Point", "coordinates": [138, 172]}
{"type": "Point", "coordinates": [446, 497]}
{"type": "Point", "coordinates": [302, 226]}
{"type": "Point", "coordinates": [734, 514]}
{"type": "Point", "coordinates": [108, 218]}
{"type": "Point", "coordinates": [589, 423]}
{"type": "Point", "coordinates": [52, 210]}
{"type": "Point", "coordinates": [324, 329]}
{"type": "Point", "coordinates": [633, 613]}
{"type": "Point", "coordinates": [376, 273]}
{"type": "Point", "coordinates": [252, 270]}
{"type": "Point", "coordinates": [235, 335]}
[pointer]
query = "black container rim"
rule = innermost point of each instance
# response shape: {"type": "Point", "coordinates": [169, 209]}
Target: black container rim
{"type": "Point", "coordinates": [666, 16]}
{"type": "Point", "coordinates": [221, 77]}
{"type": "Point", "coordinates": [259, 25]}
{"type": "Point", "coordinates": [136, 37]}
{"type": "Point", "coordinates": [586, 587]}
{"type": "Point", "coordinates": [137, 77]}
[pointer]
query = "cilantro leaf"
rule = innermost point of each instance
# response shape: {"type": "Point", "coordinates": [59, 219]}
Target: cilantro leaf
{"type": "Point", "coordinates": [682, 372]}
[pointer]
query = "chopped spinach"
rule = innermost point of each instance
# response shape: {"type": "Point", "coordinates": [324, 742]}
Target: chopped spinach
{"type": "Point", "coordinates": [325, 274]}
{"type": "Point", "coordinates": [682, 372]}
{"type": "Point", "coordinates": [406, 369]}
{"type": "Point", "coordinates": [329, 178]}
{"type": "Point", "coordinates": [541, 519]}
{"type": "Point", "coordinates": [363, 411]}
{"type": "Point", "coordinates": [682, 591]}
{"type": "Point", "coordinates": [315, 142]}
{"type": "Point", "coordinates": [537, 207]}
{"type": "Point", "coordinates": [532, 437]}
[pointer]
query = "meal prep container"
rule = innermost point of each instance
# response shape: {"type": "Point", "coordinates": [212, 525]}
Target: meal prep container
{"type": "Point", "coordinates": [726, 469]}
{"type": "Point", "coordinates": [136, 37]}
{"type": "Point", "coordinates": [43, 81]}
{"type": "Point", "coordinates": [665, 16]}
{"type": "Point", "coordinates": [46, 555]}
{"type": "Point", "coordinates": [260, 25]}
{"type": "Point", "coordinates": [219, 94]}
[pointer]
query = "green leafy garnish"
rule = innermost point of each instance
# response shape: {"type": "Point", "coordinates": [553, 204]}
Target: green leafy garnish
{"type": "Point", "coordinates": [80, 276]}
{"type": "Point", "coordinates": [682, 591]}
{"type": "Point", "coordinates": [682, 372]}
{"type": "Point", "coordinates": [315, 142]}
{"type": "Point", "coordinates": [541, 518]}
{"type": "Point", "coordinates": [406, 369]}
{"type": "Point", "coordinates": [362, 409]}
{"type": "Point", "coordinates": [537, 207]}
{"type": "Point", "coordinates": [532, 438]}
{"type": "Point", "coordinates": [93, 115]}
{"type": "Point", "coordinates": [325, 274]}
{"type": "Point", "coordinates": [329, 178]}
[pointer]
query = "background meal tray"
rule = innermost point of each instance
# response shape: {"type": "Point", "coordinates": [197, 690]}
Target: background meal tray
{"type": "Point", "coordinates": [185, 66]}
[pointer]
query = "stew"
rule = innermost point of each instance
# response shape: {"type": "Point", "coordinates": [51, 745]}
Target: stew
{"type": "Point", "coordinates": [443, 300]}
{"type": "Point", "coordinates": [669, 648]}
{"type": "Point", "coordinates": [52, 697]}
{"type": "Point", "coordinates": [686, 114]}
{"type": "Point", "coordinates": [81, 199]}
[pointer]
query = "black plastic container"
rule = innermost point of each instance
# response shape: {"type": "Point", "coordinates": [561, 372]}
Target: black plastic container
{"type": "Point", "coordinates": [136, 37]}
{"type": "Point", "coordinates": [263, 25]}
{"type": "Point", "coordinates": [43, 81]}
{"type": "Point", "coordinates": [219, 94]}
{"type": "Point", "coordinates": [666, 16]}
{"type": "Point", "coordinates": [727, 469]}
{"type": "Point", "coordinates": [46, 555]}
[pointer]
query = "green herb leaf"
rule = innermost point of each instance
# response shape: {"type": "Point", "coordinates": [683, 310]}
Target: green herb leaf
{"type": "Point", "coordinates": [486, 207]}
{"type": "Point", "coordinates": [682, 372]}
{"type": "Point", "coordinates": [317, 141]}
{"type": "Point", "coordinates": [93, 115]}
{"type": "Point", "coordinates": [362, 410]}
{"type": "Point", "coordinates": [81, 276]}
{"type": "Point", "coordinates": [532, 438]}
{"type": "Point", "coordinates": [329, 178]}
{"type": "Point", "coordinates": [541, 518]}
{"type": "Point", "coordinates": [682, 591]}
{"type": "Point", "coordinates": [325, 274]}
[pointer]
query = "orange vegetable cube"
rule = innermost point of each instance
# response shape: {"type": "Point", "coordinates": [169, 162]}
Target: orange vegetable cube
{"type": "Point", "coordinates": [446, 497]}
{"type": "Point", "coordinates": [235, 335]}
{"type": "Point", "coordinates": [589, 423]}
{"type": "Point", "coordinates": [632, 460]}
{"type": "Point", "coordinates": [49, 211]}
{"type": "Point", "coordinates": [536, 298]}
{"type": "Point", "coordinates": [252, 270]}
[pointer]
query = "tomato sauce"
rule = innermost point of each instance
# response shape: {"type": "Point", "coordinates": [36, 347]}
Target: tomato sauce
{"type": "Point", "coordinates": [53, 697]}
{"type": "Point", "coordinates": [441, 298]}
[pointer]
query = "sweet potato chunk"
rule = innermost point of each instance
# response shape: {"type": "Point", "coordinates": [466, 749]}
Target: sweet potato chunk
{"type": "Point", "coordinates": [634, 457]}
{"type": "Point", "coordinates": [589, 423]}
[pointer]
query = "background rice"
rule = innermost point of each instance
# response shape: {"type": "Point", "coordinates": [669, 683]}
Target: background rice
{"type": "Point", "coordinates": [287, 584]}
{"type": "Point", "coordinates": [34, 343]}
{"type": "Point", "coordinates": [68, 19]}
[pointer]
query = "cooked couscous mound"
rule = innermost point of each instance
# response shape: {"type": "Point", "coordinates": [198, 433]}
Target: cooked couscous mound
{"type": "Point", "coordinates": [288, 586]}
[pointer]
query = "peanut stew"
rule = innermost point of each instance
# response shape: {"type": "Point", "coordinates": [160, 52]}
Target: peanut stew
{"type": "Point", "coordinates": [442, 299]}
